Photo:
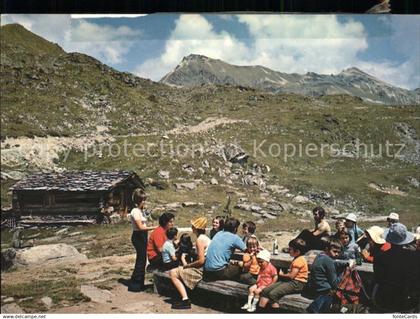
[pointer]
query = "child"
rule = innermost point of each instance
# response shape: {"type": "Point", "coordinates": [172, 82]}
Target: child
{"type": "Point", "coordinates": [218, 223]}
{"type": "Point", "coordinates": [248, 230]}
{"type": "Point", "coordinates": [392, 219]}
{"type": "Point", "coordinates": [349, 247]}
{"type": "Point", "coordinates": [266, 277]}
{"type": "Point", "coordinates": [169, 257]}
{"type": "Point", "coordinates": [339, 226]}
{"type": "Point", "coordinates": [323, 279]}
{"type": "Point", "coordinates": [185, 250]}
{"type": "Point", "coordinates": [250, 264]}
{"type": "Point", "coordinates": [292, 282]}
{"type": "Point", "coordinates": [351, 225]}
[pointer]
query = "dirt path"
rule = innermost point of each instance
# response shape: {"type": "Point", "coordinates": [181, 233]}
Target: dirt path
{"type": "Point", "coordinates": [123, 301]}
{"type": "Point", "coordinates": [101, 275]}
{"type": "Point", "coordinates": [204, 126]}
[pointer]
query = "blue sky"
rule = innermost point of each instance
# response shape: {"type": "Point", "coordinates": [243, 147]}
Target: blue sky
{"type": "Point", "coordinates": [386, 46]}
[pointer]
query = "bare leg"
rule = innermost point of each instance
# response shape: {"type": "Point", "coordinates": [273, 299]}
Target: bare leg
{"type": "Point", "coordinates": [178, 285]}
{"type": "Point", "coordinates": [263, 302]}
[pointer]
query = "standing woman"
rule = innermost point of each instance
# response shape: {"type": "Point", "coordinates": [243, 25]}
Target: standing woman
{"type": "Point", "coordinates": [139, 240]}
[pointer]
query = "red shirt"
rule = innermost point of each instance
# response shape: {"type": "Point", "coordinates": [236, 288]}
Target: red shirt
{"type": "Point", "coordinates": [265, 277]}
{"type": "Point", "coordinates": [156, 240]}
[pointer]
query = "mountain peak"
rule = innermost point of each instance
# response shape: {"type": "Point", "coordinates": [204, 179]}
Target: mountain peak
{"type": "Point", "coordinates": [195, 57]}
{"type": "Point", "coordinates": [353, 71]}
{"type": "Point", "coordinates": [196, 70]}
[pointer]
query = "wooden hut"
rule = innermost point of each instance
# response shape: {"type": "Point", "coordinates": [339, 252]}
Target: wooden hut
{"type": "Point", "coordinates": [75, 194]}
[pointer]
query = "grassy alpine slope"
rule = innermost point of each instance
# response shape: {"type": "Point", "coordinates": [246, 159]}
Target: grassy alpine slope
{"type": "Point", "coordinates": [46, 91]}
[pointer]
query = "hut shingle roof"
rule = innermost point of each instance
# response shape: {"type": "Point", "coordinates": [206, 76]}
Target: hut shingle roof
{"type": "Point", "coordinates": [73, 181]}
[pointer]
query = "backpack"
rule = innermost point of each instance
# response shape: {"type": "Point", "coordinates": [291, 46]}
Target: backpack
{"type": "Point", "coordinates": [349, 288]}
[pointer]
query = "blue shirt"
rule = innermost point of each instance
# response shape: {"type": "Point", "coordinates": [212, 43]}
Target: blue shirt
{"type": "Point", "coordinates": [168, 250]}
{"type": "Point", "coordinates": [221, 249]}
{"type": "Point", "coordinates": [355, 233]}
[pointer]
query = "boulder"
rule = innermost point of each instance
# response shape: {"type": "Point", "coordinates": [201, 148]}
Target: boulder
{"type": "Point", "coordinates": [11, 308]}
{"type": "Point", "coordinates": [187, 186]}
{"type": "Point", "coordinates": [277, 189]}
{"type": "Point", "coordinates": [286, 207]}
{"type": "Point", "coordinates": [214, 181]}
{"type": "Point", "coordinates": [96, 294]}
{"type": "Point", "coordinates": [191, 204]}
{"type": "Point", "coordinates": [163, 174]}
{"type": "Point", "coordinates": [47, 301]}
{"type": "Point", "coordinates": [235, 154]}
{"type": "Point", "coordinates": [188, 169]}
{"type": "Point", "coordinates": [171, 206]}
{"type": "Point", "coordinates": [253, 180]}
{"type": "Point", "coordinates": [242, 206]}
{"type": "Point", "coordinates": [256, 209]}
{"type": "Point", "coordinates": [48, 253]}
{"type": "Point", "coordinates": [300, 199]}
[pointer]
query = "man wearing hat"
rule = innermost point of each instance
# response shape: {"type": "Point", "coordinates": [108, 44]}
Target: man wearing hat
{"type": "Point", "coordinates": [396, 273]}
{"type": "Point", "coordinates": [392, 219]}
{"type": "Point", "coordinates": [355, 231]}
{"type": "Point", "coordinates": [191, 274]}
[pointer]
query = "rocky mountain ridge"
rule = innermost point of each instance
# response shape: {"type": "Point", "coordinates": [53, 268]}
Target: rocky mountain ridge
{"type": "Point", "coordinates": [196, 70]}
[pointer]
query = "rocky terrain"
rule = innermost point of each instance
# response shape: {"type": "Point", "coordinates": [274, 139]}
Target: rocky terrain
{"type": "Point", "coordinates": [69, 111]}
{"type": "Point", "coordinates": [196, 70]}
{"type": "Point", "coordinates": [213, 149]}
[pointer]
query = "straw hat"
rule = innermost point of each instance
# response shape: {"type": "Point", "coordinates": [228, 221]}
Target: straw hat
{"type": "Point", "coordinates": [264, 255]}
{"type": "Point", "coordinates": [397, 234]}
{"type": "Point", "coordinates": [352, 217]}
{"type": "Point", "coordinates": [199, 223]}
{"type": "Point", "coordinates": [376, 233]}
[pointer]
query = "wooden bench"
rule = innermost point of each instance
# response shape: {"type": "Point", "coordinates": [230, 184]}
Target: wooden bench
{"type": "Point", "coordinates": [294, 303]}
{"type": "Point", "coordinates": [228, 288]}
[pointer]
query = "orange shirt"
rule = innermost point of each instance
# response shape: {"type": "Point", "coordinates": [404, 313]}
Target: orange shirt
{"type": "Point", "coordinates": [367, 255]}
{"type": "Point", "coordinates": [156, 240]}
{"type": "Point", "coordinates": [254, 269]}
{"type": "Point", "coordinates": [301, 264]}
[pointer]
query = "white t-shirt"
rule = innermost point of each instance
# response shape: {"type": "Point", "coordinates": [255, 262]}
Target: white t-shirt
{"type": "Point", "coordinates": [203, 238]}
{"type": "Point", "coordinates": [136, 214]}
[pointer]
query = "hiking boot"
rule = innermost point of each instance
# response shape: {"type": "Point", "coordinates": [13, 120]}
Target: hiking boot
{"type": "Point", "coordinates": [183, 304]}
{"type": "Point", "coordinates": [135, 287]}
{"type": "Point", "coordinates": [125, 282]}
{"type": "Point", "coordinates": [245, 306]}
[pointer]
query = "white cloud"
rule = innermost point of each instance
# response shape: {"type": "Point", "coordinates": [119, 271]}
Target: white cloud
{"type": "Point", "coordinates": [107, 43]}
{"type": "Point", "coordinates": [193, 34]}
{"type": "Point", "coordinates": [286, 43]}
{"type": "Point", "coordinates": [104, 42]}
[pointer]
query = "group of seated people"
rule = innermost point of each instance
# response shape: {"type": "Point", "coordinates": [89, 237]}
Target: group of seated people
{"type": "Point", "coordinates": [394, 252]}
